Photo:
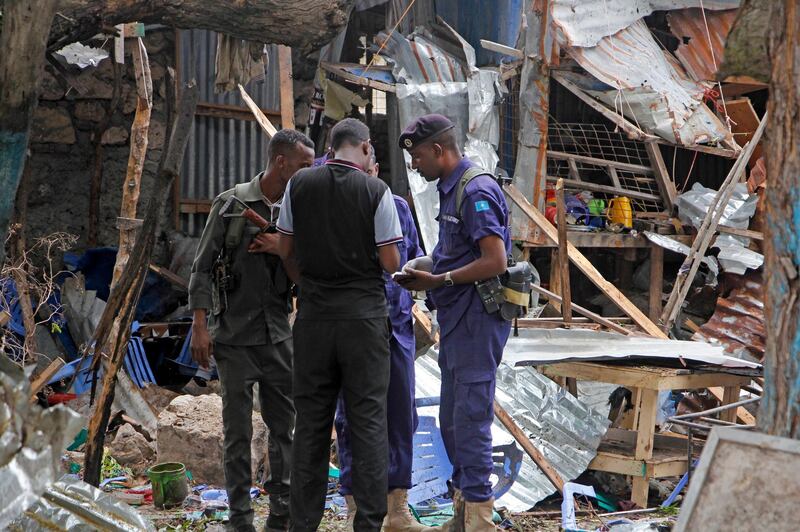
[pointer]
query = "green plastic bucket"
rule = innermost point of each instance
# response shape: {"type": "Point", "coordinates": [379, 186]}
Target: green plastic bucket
{"type": "Point", "coordinates": [169, 484]}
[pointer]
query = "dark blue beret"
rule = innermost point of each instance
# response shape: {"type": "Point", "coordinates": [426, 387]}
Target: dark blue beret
{"type": "Point", "coordinates": [423, 128]}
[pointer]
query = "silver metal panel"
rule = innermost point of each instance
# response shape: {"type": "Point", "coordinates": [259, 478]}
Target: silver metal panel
{"type": "Point", "coordinates": [562, 427]}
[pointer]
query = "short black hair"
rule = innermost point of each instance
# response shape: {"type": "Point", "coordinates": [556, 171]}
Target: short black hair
{"type": "Point", "coordinates": [447, 139]}
{"type": "Point", "coordinates": [285, 140]}
{"type": "Point", "coordinates": [351, 131]}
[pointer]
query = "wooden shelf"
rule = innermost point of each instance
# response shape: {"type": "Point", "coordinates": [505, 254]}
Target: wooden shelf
{"type": "Point", "coordinates": [616, 454]}
{"type": "Point", "coordinates": [581, 239]}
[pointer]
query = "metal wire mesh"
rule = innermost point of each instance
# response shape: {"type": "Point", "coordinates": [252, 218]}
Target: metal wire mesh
{"type": "Point", "coordinates": [603, 146]}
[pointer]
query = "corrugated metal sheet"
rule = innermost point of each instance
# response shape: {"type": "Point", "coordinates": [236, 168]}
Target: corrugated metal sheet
{"type": "Point", "coordinates": [699, 54]}
{"type": "Point", "coordinates": [585, 22]}
{"type": "Point", "coordinates": [738, 322]}
{"type": "Point", "coordinates": [563, 428]}
{"type": "Point", "coordinates": [221, 151]}
{"type": "Point", "coordinates": [651, 88]}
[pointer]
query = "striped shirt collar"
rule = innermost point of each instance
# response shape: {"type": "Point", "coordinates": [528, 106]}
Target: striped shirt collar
{"type": "Point", "coordinates": [349, 164]}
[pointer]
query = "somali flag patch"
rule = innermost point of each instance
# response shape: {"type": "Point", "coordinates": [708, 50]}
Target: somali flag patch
{"type": "Point", "coordinates": [481, 206]}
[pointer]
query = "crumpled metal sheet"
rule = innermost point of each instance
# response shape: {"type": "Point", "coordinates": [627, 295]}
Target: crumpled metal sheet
{"type": "Point", "coordinates": [74, 506]}
{"type": "Point", "coordinates": [31, 442]}
{"type": "Point", "coordinates": [562, 427]}
{"type": "Point", "coordinates": [679, 247]}
{"type": "Point", "coordinates": [81, 55]}
{"type": "Point", "coordinates": [541, 346]}
{"type": "Point", "coordinates": [585, 22]}
{"type": "Point", "coordinates": [706, 43]}
{"type": "Point", "coordinates": [651, 88]}
{"type": "Point", "coordinates": [738, 323]}
{"type": "Point", "coordinates": [470, 104]}
{"type": "Point", "coordinates": [734, 257]}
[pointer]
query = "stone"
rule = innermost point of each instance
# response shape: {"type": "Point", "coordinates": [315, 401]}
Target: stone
{"type": "Point", "coordinates": [50, 88]}
{"type": "Point", "coordinates": [131, 449]}
{"type": "Point", "coordinates": [89, 110]}
{"type": "Point", "coordinates": [190, 432]}
{"type": "Point", "coordinates": [158, 397]}
{"type": "Point", "coordinates": [155, 134]}
{"type": "Point", "coordinates": [52, 125]}
{"type": "Point", "coordinates": [116, 136]}
{"type": "Point", "coordinates": [99, 82]}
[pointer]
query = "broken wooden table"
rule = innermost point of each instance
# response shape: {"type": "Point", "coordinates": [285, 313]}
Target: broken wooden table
{"type": "Point", "coordinates": [640, 452]}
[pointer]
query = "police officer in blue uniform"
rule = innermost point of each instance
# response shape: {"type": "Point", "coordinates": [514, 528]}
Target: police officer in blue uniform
{"type": "Point", "coordinates": [474, 245]}
{"type": "Point", "coordinates": [400, 410]}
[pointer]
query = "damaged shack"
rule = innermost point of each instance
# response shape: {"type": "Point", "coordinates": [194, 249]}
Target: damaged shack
{"type": "Point", "coordinates": [633, 154]}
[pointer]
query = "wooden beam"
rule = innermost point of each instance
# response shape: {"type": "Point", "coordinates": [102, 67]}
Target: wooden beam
{"type": "Point", "coordinates": [525, 442]}
{"type": "Point", "coordinates": [656, 281]}
{"type": "Point", "coordinates": [219, 110]}
{"type": "Point", "coordinates": [502, 49]}
{"type": "Point", "coordinates": [262, 120]}
{"type": "Point", "coordinates": [594, 187]}
{"type": "Point", "coordinates": [173, 278]}
{"type": "Point", "coordinates": [601, 163]}
{"type": "Point", "coordinates": [338, 71]}
{"type": "Point", "coordinates": [287, 92]}
{"type": "Point", "coordinates": [41, 379]}
{"type": "Point", "coordinates": [563, 259]}
{"type": "Point", "coordinates": [583, 311]}
{"type": "Point", "coordinates": [741, 412]}
{"type": "Point", "coordinates": [631, 130]}
{"type": "Point", "coordinates": [585, 266]}
{"type": "Point", "coordinates": [756, 235]}
{"type": "Point", "coordinates": [665, 183]}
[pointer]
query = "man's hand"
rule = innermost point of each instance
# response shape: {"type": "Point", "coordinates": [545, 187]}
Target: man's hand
{"type": "Point", "coordinates": [201, 344]}
{"type": "Point", "coordinates": [264, 243]}
{"type": "Point", "coordinates": [418, 280]}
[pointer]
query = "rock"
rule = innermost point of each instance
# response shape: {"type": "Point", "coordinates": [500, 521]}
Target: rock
{"type": "Point", "coordinates": [131, 449]}
{"type": "Point", "coordinates": [50, 89]}
{"type": "Point", "coordinates": [116, 136]}
{"type": "Point", "coordinates": [155, 134]}
{"type": "Point", "coordinates": [52, 125]}
{"type": "Point", "coordinates": [89, 110]}
{"type": "Point", "coordinates": [190, 432]}
{"type": "Point", "coordinates": [157, 397]}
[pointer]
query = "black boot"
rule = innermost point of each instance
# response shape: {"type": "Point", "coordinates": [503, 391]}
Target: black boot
{"type": "Point", "coordinates": [278, 519]}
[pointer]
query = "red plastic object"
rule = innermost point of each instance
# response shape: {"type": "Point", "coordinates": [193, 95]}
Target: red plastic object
{"type": "Point", "coordinates": [550, 213]}
{"type": "Point", "coordinates": [58, 398]}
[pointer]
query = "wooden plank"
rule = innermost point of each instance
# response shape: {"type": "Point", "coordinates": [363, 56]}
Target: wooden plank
{"type": "Point", "coordinates": [337, 70]}
{"type": "Point", "coordinates": [643, 376]}
{"type": "Point", "coordinates": [425, 322]}
{"type": "Point", "coordinates": [563, 259]}
{"type": "Point", "coordinates": [601, 163]}
{"type": "Point", "coordinates": [741, 412]}
{"type": "Point", "coordinates": [596, 187]}
{"type": "Point", "coordinates": [617, 463]}
{"type": "Point", "coordinates": [219, 110]}
{"type": "Point", "coordinates": [711, 150]}
{"type": "Point", "coordinates": [756, 235]}
{"type": "Point", "coordinates": [615, 118]}
{"type": "Point", "coordinates": [555, 279]}
{"type": "Point", "coordinates": [730, 395]}
{"type": "Point", "coordinates": [612, 173]}
{"type": "Point", "coordinates": [262, 120]}
{"type": "Point", "coordinates": [656, 281]}
{"type": "Point", "coordinates": [645, 430]}
{"type": "Point", "coordinates": [573, 170]}
{"type": "Point", "coordinates": [538, 458]}
{"type": "Point", "coordinates": [585, 266]}
{"type": "Point", "coordinates": [195, 206]}
{"type": "Point", "coordinates": [665, 183]}
{"type": "Point", "coordinates": [41, 379]}
{"type": "Point", "coordinates": [586, 312]}
{"type": "Point", "coordinates": [744, 124]}
{"type": "Point", "coordinates": [170, 276]}
{"type": "Point", "coordinates": [583, 239]}
{"type": "Point", "coordinates": [501, 49]}
{"type": "Point", "coordinates": [287, 92]}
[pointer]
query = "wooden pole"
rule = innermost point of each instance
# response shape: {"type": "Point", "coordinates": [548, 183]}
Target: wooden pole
{"type": "Point", "coordinates": [287, 92]}
{"type": "Point", "coordinates": [583, 311]}
{"type": "Point", "coordinates": [261, 118]}
{"type": "Point", "coordinates": [537, 457]}
{"type": "Point", "coordinates": [563, 258]}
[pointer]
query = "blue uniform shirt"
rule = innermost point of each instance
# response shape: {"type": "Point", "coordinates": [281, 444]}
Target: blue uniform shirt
{"type": "Point", "coordinates": [399, 299]}
{"type": "Point", "coordinates": [483, 213]}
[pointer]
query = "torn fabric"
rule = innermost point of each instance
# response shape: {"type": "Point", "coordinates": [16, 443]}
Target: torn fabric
{"type": "Point", "coordinates": [339, 100]}
{"type": "Point", "coordinates": [237, 62]}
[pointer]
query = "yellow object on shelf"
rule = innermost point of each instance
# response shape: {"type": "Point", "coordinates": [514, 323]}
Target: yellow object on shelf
{"type": "Point", "coordinates": [620, 211]}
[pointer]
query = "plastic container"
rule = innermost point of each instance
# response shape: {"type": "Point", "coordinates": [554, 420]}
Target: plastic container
{"type": "Point", "coordinates": [620, 211]}
{"type": "Point", "coordinates": [169, 484]}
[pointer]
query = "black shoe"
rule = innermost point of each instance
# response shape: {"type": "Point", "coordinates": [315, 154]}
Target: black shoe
{"type": "Point", "coordinates": [278, 519]}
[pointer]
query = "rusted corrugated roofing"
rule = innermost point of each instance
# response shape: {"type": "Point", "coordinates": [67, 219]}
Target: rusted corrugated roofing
{"type": "Point", "coordinates": [738, 322]}
{"type": "Point", "coordinates": [704, 48]}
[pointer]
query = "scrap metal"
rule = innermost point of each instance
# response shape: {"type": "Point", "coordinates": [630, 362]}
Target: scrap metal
{"type": "Point", "coordinates": [564, 429]}
{"type": "Point", "coordinates": [706, 34]}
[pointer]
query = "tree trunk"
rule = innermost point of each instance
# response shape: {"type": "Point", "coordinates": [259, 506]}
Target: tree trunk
{"type": "Point", "coordinates": [305, 25]}
{"type": "Point", "coordinates": [780, 404]}
{"type": "Point", "coordinates": [25, 27]}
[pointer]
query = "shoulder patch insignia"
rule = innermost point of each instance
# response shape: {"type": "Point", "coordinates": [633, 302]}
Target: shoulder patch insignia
{"type": "Point", "coordinates": [481, 206]}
